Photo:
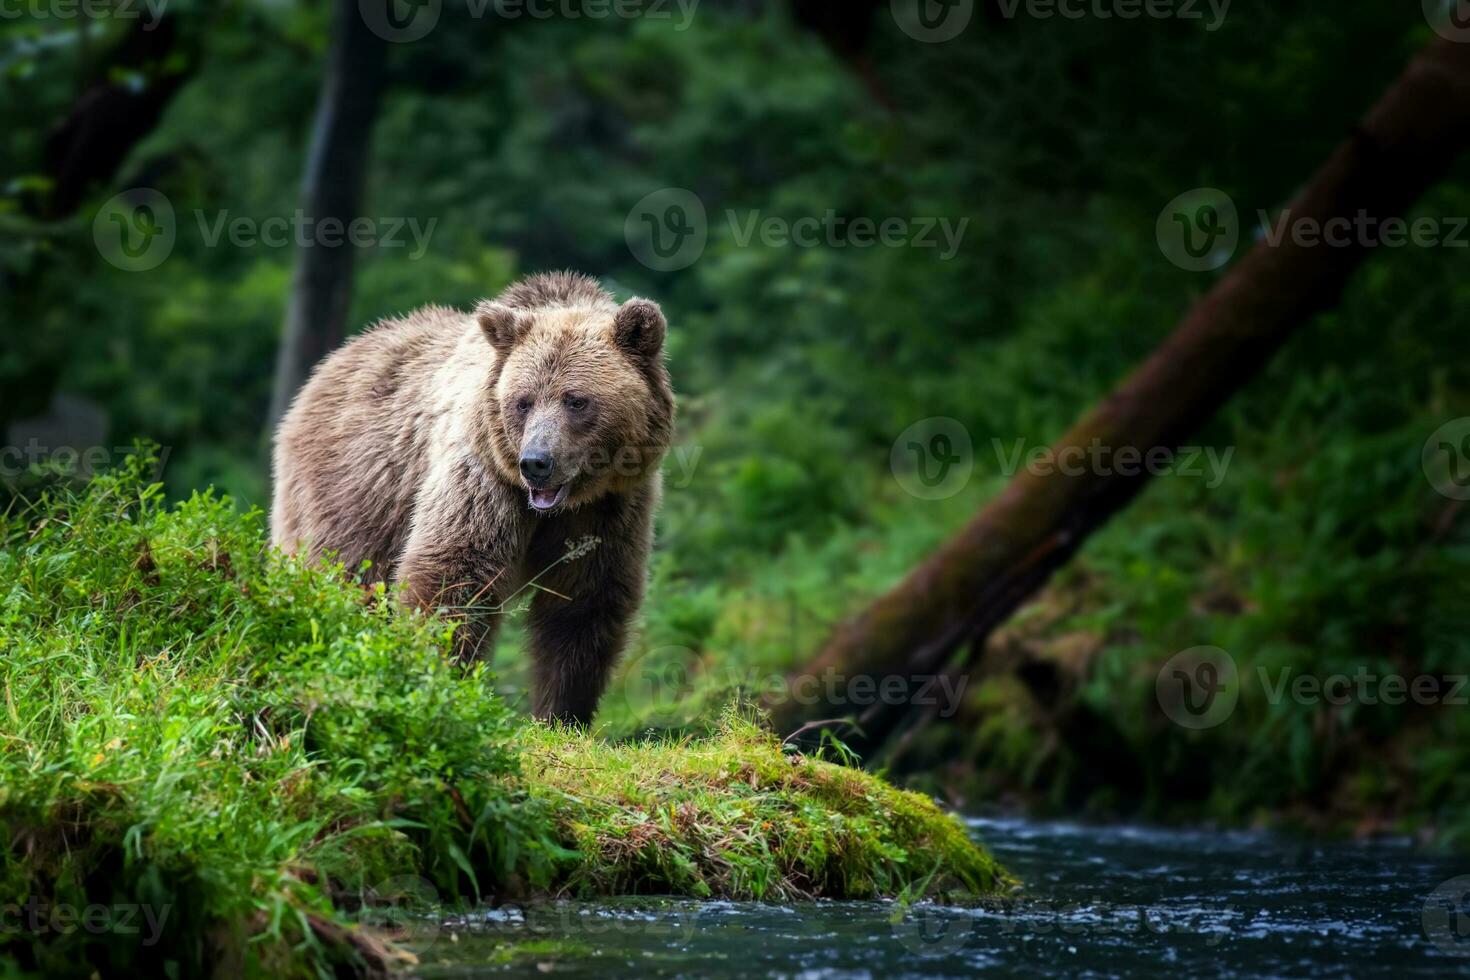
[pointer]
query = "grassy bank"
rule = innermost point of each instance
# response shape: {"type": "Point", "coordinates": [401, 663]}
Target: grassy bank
{"type": "Point", "coordinates": [212, 757]}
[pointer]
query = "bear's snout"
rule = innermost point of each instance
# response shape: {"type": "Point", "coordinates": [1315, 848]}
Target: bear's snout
{"type": "Point", "coordinates": [537, 466]}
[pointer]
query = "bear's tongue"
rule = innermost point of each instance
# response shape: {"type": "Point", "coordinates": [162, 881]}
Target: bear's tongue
{"type": "Point", "coordinates": [547, 498]}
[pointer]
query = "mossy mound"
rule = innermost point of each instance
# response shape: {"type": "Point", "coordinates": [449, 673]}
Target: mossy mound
{"type": "Point", "coordinates": [212, 757]}
{"type": "Point", "coordinates": [736, 816]}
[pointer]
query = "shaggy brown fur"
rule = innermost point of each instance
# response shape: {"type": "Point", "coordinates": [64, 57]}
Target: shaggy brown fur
{"type": "Point", "coordinates": [405, 450]}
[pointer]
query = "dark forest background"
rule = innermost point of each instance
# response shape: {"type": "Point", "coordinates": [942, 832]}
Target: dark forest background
{"type": "Point", "coordinates": [530, 143]}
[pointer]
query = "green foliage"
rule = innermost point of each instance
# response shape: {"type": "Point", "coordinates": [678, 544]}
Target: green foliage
{"type": "Point", "coordinates": [246, 746]}
{"type": "Point", "coordinates": [1057, 141]}
{"type": "Point", "coordinates": [194, 723]}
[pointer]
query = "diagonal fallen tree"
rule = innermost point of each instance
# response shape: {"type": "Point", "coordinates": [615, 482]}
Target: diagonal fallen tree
{"type": "Point", "coordinates": [956, 597]}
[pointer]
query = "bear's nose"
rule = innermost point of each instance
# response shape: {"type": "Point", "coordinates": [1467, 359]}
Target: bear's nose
{"type": "Point", "coordinates": [536, 466]}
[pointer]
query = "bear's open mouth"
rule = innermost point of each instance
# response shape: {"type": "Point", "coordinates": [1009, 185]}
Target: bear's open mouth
{"type": "Point", "coordinates": [546, 499]}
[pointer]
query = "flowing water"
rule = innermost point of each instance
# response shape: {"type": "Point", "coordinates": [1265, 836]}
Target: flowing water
{"type": "Point", "coordinates": [1098, 901]}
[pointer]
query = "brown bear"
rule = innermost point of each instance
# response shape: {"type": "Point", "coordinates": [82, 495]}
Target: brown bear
{"type": "Point", "coordinates": [463, 455]}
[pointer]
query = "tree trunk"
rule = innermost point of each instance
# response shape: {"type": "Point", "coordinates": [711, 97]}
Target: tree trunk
{"type": "Point", "coordinates": [336, 164]}
{"type": "Point", "coordinates": [112, 116]}
{"type": "Point", "coordinates": [975, 581]}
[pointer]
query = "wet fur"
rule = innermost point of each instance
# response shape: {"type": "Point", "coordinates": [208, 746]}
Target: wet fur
{"type": "Point", "coordinates": [402, 451]}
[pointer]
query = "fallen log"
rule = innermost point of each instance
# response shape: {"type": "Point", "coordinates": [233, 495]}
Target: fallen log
{"type": "Point", "coordinates": [1013, 545]}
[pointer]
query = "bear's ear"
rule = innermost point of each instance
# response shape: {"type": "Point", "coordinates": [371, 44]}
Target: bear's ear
{"type": "Point", "coordinates": [639, 330]}
{"type": "Point", "coordinates": [503, 326]}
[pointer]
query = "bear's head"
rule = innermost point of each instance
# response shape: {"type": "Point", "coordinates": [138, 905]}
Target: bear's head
{"type": "Point", "coordinates": [581, 404]}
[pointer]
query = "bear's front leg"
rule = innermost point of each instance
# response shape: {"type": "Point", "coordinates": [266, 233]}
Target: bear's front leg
{"type": "Point", "coordinates": [579, 621]}
{"type": "Point", "coordinates": [458, 557]}
{"type": "Point", "coordinates": [460, 582]}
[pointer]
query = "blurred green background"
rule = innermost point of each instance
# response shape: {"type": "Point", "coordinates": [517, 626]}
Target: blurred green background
{"type": "Point", "coordinates": [529, 143]}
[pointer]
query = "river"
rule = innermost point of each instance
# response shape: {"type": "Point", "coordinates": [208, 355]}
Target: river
{"type": "Point", "coordinates": [1099, 901]}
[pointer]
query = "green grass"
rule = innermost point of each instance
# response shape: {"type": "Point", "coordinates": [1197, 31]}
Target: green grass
{"type": "Point", "coordinates": [735, 815]}
{"type": "Point", "coordinates": [249, 748]}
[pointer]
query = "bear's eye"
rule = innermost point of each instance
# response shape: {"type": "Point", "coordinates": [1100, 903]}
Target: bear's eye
{"type": "Point", "coordinates": [523, 406]}
{"type": "Point", "coordinates": [576, 403]}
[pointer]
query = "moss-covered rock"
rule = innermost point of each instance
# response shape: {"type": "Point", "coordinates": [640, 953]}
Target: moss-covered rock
{"type": "Point", "coordinates": [737, 816]}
